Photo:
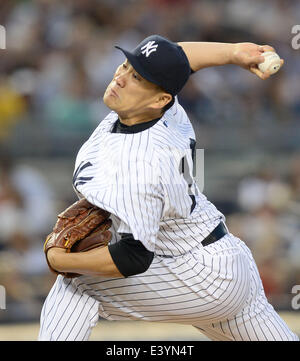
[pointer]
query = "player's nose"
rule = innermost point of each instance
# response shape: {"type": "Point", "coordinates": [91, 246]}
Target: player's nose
{"type": "Point", "coordinates": [120, 79]}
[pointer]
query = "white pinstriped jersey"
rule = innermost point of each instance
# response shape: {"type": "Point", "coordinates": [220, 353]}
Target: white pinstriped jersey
{"type": "Point", "coordinates": [216, 288]}
{"type": "Point", "coordinates": [138, 178]}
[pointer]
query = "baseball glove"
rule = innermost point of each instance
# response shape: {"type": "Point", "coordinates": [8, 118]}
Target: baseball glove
{"type": "Point", "coordinates": [79, 228]}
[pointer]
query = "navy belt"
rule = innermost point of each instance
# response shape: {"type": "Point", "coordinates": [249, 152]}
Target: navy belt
{"type": "Point", "coordinates": [219, 232]}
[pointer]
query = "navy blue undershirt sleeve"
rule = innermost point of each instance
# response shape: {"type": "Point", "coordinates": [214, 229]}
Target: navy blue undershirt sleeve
{"type": "Point", "coordinates": [130, 256]}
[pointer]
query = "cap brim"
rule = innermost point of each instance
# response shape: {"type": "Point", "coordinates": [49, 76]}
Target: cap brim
{"type": "Point", "coordinates": [137, 66]}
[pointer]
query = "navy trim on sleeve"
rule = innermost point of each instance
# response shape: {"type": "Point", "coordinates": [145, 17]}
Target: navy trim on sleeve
{"type": "Point", "coordinates": [130, 256]}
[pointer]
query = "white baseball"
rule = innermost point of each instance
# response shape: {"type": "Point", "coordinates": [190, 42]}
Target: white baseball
{"type": "Point", "coordinates": [271, 63]}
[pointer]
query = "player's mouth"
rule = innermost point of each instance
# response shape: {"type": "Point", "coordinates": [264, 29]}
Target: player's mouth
{"type": "Point", "coordinates": [114, 93]}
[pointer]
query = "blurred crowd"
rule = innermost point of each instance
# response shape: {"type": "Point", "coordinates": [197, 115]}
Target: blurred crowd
{"type": "Point", "coordinates": [27, 209]}
{"type": "Point", "coordinates": [267, 219]}
{"type": "Point", "coordinates": [59, 59]}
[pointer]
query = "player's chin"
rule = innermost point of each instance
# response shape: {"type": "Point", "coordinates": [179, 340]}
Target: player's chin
{"type": "Point", "coordinates": [110, 101]}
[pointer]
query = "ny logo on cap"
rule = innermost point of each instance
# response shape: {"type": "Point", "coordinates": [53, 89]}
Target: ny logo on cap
{"type": "Point", "coordinates": [149, 48]}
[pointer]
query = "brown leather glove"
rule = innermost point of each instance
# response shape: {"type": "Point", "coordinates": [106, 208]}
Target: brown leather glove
{"type": "Point", "coordinates": [79, 228]}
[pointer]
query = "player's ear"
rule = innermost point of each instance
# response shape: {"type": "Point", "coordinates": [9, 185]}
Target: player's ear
{"type": "Point", "coordinates": [162, 100]}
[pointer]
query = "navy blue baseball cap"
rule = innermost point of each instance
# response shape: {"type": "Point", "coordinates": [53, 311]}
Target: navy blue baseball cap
{"type": "Point", "coordinates": [161, 62]}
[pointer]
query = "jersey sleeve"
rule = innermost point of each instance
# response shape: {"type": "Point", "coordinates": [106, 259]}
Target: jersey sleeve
{"type": "Point", "coordinates": [142, 202]}
{"type": "Point", "coordinates": [135, 196]}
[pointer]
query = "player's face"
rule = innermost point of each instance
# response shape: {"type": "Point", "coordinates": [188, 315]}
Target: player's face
{"type": "Point", "coordinates": [132, 96]}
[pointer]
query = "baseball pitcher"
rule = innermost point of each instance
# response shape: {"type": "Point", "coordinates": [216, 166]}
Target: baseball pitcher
{"type": "Point", "coordinates": [164, 253]}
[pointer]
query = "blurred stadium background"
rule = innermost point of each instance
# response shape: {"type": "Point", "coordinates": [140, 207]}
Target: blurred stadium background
{"type": "Point", "coordinates": [59, 59]}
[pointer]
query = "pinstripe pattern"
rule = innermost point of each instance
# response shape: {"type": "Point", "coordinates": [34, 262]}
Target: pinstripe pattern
{"type": "Point", "coordinates": [257, 320]}
{"type": "Point", "coordinates": [216, 289]}
{"type": "Point", "coordinates": [65, 305]}
{"type": "Point", "coordinates": [185, 289]}
{"type": "Point", "coordinates": [137, 178]}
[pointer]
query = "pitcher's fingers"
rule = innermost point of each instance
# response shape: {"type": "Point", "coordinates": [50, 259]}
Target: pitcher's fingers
{"type": "Point", "coordinates": [265, 48]}
{"type": "Point", "coordinates": [259, 73]}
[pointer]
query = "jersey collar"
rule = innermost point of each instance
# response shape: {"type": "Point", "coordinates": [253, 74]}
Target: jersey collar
{"type": "Point", "coordinates": [131, 129]}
